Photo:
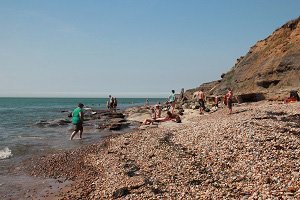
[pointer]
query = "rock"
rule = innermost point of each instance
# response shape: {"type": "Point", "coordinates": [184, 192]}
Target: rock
{"type": "Point", "coordinates": [213, 156]}
{"type": "Point", "coordinates": [117, 126]}
{"type": "Point", "coordinates": [42, 123]}
{"type": "Point", "coordinates": [195, 107]}
{"type": "Point", "coordinates": [181, 111]}
{"type": "Point", "coordinates": [121, 192]}
{"type": "Point", "coordinates": [54, 123]}
{"type": "Point", "coordinates": [186, 106]}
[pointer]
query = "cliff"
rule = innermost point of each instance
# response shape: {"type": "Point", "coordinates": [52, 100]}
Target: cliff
{"type": "Point", "coordinates": [270, 70]}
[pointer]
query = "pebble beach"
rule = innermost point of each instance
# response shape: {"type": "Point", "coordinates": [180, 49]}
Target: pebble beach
{"type": "Point", "coordinates": [252, 154]}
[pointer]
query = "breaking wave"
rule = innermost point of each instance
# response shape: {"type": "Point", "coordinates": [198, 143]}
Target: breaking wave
{"type": "Point", "coordinates": [5, 153]}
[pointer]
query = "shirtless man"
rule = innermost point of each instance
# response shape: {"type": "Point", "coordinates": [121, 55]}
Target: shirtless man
{"type": "Point", "coordinates": [229, 96]}
{"type": "Point", "coordinates": [201, 98]}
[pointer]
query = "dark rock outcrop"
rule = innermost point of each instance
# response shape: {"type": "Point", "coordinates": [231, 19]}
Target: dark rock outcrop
{"type": "Point", "coordinates": [52, 123]}
{"type": "Point", "coordinates": [93, 119]}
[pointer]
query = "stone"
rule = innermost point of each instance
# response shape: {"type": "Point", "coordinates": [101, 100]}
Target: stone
{"type": "Point", "coordinates": [121, 192]}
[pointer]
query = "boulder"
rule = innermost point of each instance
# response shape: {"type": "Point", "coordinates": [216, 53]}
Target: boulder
{"type": "Point", "coordinates": [117, 126]}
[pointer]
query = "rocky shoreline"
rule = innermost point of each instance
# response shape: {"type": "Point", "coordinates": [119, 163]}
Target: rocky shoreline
{"type": "Point", "coordinates": [93, 119]}
{"type": "Point", "coordinates": [252, 154]}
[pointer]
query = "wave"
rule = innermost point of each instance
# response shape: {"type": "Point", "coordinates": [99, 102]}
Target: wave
{"type": "Point", "coordinates": [5, 153]}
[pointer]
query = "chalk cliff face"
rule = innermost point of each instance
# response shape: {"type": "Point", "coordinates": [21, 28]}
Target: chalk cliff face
{"type": "Point", "coordinates": [270, 68]}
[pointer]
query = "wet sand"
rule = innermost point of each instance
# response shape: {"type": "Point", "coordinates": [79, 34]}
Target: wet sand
{"type": "Point", "coordinates": [251, 154]}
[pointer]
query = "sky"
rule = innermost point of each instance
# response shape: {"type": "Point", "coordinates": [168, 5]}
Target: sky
{"type": "Point", "coordinates": [127, 48]}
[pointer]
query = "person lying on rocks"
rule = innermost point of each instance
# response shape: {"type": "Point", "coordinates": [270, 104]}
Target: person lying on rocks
{"type": "Point", "coordinates": [170, 117]}
{"type": "Point", "coordinates": [154, 116]}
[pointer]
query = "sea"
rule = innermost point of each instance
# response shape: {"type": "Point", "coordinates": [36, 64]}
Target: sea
{"type": "Point", "coordinates": [21, 138]}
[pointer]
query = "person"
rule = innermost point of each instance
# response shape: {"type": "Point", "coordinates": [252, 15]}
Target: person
{"type": "Point", "coordinates": [229, 97]}
{"type": "Point", "coordinates": [170, 117]}
{"type": "Point", "coordinates": [115, 104]}
{"type": "Point", "coordinates": [157, 111]}
{"type": "Point", "coordinates": [201, 99]}
{"type": "Point", "coordinates": [182, 94]}
{"type": "Point", "coordinates": [108, 103]}
{"type": "Point", "coordinates": [216, 101]}
{"type": "Point", "coordinates": [147, 103]}
{"type": "Point", "coordinates": [172, 101]}
{"type": "Point", "coordinates": [148, 121]}
{"type": "Point", "coordinates": [77, 121]}
{"type": "Point", "coordinates": [153, 113]}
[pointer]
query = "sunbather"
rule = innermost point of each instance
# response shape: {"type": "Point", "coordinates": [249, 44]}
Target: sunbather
{"type": "Point", "coordinates": [170, 117]}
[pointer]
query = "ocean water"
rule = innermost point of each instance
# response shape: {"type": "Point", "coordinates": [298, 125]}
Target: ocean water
{"type": "Point", "coordinates": [20, 137]}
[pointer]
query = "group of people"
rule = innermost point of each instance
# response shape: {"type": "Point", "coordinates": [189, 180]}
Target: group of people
{"type": "Point", "coordinates": [156, 116]}
{"type": "Point", "coordinates": [112, 103]}
{"type": "Point", "coordinates": [78, 116]}
{"type": "Point", "coordinates": [227, 100]}
{"type": "Point", "coordinates": [156, 112]}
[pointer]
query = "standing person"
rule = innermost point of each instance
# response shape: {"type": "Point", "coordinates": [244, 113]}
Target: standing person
{"type": "Point", "coordinates": [108, 102]}
{"type": "Point", "coordinates": [147, 103]}
{"type": "Point", "coordinates": [112, 104]}
{"type": "Point", "coordinates": [172, 101]}
{"type": "Point", "coordinates": [115, 104]}
{"type": "Point", "coordinates": [229, 96]}
{"type": "Point", "coordinates": [182, 94]}
{"type": "Point", "coordinates": [77, 120]}
{"type": "Point", "coordinates": [216, 102]}
{"type": "Point", "coordinates": [201, 99]}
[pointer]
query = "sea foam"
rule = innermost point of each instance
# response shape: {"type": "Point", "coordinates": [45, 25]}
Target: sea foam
{"type": "Point", "coordinates": [5, 153]}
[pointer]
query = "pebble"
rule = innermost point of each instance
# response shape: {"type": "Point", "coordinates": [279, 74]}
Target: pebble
{"type": "Point", "coordinates": [239, 156]}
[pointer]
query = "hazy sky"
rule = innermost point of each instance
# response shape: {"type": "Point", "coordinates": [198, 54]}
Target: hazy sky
{"type": "Point", "coordinates": [92, 48]}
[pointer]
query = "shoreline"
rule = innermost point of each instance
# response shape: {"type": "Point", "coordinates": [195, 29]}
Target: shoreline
{"type": "Point", "coordinates": [214, 155]}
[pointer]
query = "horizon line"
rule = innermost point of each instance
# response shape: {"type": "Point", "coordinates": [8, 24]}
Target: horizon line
{"type": "Point", "coordinates": [87, 97]}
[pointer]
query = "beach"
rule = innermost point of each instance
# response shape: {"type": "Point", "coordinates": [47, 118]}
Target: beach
{"type": "Point", "coordinates": [252, 154]}
{"type": "Point", "coordinates": [150, 100]}
{"type": "Point", "coordinates": [34, 127]}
